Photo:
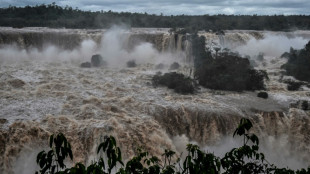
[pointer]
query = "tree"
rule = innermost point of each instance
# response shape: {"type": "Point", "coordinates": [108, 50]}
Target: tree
{"type": "Point", "coordinates": [245, 159]}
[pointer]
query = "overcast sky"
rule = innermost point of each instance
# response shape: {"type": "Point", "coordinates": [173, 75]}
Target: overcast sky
{"type": "Point", "coordinates": [177, 7]}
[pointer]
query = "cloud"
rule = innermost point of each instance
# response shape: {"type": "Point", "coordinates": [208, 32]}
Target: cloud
{"type": "Point", "coordinates": [177, 7]}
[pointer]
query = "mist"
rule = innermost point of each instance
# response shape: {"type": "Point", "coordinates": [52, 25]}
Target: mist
{"type": "Point", "coordinates": [277, 151]}
{"type": "Point", "coordinates": [271, 45]}
{"type": "Point", "coordinates": [54, 94]}
{"type": "Point", "coordinates": [13, 54]}
{"type": "Point", "coordinates": [113, 48]}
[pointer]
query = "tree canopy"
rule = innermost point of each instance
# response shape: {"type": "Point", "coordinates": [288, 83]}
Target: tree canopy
{"type": "Point", "coordinates": [56, 16]}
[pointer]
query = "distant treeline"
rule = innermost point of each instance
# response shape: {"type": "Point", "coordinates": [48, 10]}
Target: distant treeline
{"type": "Point", "coordinates": [55, 16]}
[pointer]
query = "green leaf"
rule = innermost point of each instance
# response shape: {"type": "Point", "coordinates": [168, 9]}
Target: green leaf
{"type": "Point", "coordinates": [53, 169]}
{"type": "Point", "coordinates": [255, 147]}
{"type": "Point", "coordinates": [51, 140]}
{"type": "Point", "coordinates": [43, 160]}
{"type": "Point", "coordinates": [113, 140]}
{"type": "Point", "coordinates": [99, 147]}
{"type": "Point", "coordinates": [254, 139]}
{"type": "Point", "coordinates": [70, 154]}
{"type": "Point", "coordinates": [39, 156]}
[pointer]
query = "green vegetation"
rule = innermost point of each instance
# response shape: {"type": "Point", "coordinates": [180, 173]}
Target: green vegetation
{"type": "Point", "coordinates": [229, 72]}
{"type": "Point", "coordinates": [225, 70]}
{"type": "Point", "coordinates": [242, 160]}
{"type": "Point", "coordinates": [178, 82]}
{"type": "Point", "coordinates": [298, 65]}
{"type": "Point", "coordinates": [55, 16]}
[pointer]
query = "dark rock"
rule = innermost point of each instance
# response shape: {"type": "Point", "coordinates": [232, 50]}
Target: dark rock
{"type": "Point", "coordinates": [301, 104]}
{"type": "Point", "coordinates": [174, 66]}
{"type": "Point", "coordinates": [2, 120]}
{"type": "Point", "coordinates": [16, 83]}
{"type": "Point", "coordinates": [160, 66]}
{"type": "Point", "coordinates": [293, 85]}
{"type": "Point", "coordinates": [304, 105]}
{"type": "Point", "coordinates": [262, 95]}
{"type": "Point", "coordinates": [97, 60]}
{"type": "Point", "coordinates": [220, 32]}
{"type": "Point", "coordinates": [131, 64]}
{"type": "Point", "coordinates": [86, 65]}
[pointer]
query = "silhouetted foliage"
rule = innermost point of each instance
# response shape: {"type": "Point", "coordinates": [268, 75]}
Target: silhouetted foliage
{"type": "Point", "coordinates": [229, 72]}
{"type": "Point", "coordinates": [235, 160]}
{"type": "Point", "coordinates": [298, 63]}
{"type": "Point", "coordinates": [225, 71]}
{"type": "Point", "coordinates": [53, 161]}
{"type": "Point", "coordinates": [176, 81]}
{"type": "Point", "coordinates": [52, 15]}
{"type": "Point", "coordinates": [242, 160]}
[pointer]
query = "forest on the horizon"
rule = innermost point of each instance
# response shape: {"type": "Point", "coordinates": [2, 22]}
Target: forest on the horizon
{"type": "Point", "coordinates": [55, 16]}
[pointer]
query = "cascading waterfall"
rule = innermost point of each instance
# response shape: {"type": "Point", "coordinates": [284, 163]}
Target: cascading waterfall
{"type": "Point", "coordinates": [41, 97]}
{"type": "Point", "coordinates": [179, 42]}
{"type": "Point", "coordinates": [222, 40]}
{"type": "Point", "coordinates": [188, 50]}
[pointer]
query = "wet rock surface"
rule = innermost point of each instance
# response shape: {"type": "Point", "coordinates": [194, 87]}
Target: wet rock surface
{"type": "Point", "coordinates": [262, 95]}
{"type": "Point", "coordinates": [86, 65]}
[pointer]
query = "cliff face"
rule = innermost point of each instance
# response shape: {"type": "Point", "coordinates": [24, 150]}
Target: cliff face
{"type": "Point", "coordinates": [161, 39]}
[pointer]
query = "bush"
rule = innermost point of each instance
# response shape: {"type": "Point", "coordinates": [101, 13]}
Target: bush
{"type": "Point", "coordinates": [176, 81]}
{"type": "Point", "coordinates": [298, 63]}
{"type": "Point", "coordinates": [229, 72]}
{"type": "Point", "coordinates": [301, 104]}
{"type": "Point", "coordinates": [245, 159]}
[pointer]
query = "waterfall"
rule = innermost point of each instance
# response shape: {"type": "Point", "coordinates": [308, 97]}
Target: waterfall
{"type": "Point", "coordinates": [222, 40]}
{"type": "Point", "coordinates": [179, 42]}
{"type": "Point", "coordinates": [39, 98]}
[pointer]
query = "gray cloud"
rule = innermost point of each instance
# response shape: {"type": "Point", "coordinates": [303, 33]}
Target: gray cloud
{"type": "Point", "coordinates": [177, 7]}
